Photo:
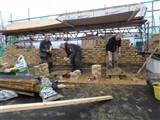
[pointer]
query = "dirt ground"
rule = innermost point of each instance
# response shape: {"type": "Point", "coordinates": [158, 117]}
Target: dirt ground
{"type": "Point", "coordinates": [129, 103]}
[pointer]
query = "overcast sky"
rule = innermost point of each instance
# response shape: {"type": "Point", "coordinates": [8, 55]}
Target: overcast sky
{"type": "Point", "coordinates": [44, 7]}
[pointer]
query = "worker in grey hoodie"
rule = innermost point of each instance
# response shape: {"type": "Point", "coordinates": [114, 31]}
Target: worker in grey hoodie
{"type": "Point", "coordinates": [74, 54]}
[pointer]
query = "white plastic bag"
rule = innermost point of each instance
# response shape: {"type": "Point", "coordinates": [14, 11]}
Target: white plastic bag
{"type": "Point", "coordinates": [7, 94]}
{"type": "Point", "coordinates": [21, 63]}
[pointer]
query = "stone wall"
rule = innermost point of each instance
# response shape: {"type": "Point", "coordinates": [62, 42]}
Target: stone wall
{"type": "Point", "coordinates": [12, 52]}
{"type": "Point", "coordinates": [93, 55]}
{"type": "Point", "coordinates": [129, 54]}
{"type": "Point", "coordinates": [155, 39]}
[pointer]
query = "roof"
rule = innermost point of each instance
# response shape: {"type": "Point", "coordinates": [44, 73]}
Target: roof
{"type": "Point", "coordinates": [127, 18]}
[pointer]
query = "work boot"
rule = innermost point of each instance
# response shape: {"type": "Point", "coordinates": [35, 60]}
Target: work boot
{"type": "Point", "coordinates": [116, 64]}
{"type": "Point", "coordinates": [50, 69]}
{"type": "Point", "coordinates": [110, 65]}
{"type": "Point", "coordinates": [113, 64]}
{"type": "Point", "coordinates": [92, 78]}
{"type": "Point", "coordinates": [53, 97]}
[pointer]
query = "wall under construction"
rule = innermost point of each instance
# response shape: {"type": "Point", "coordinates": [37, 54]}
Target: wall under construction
{"type": "Point", "coordinates": [92, 55]}
{"type": "Point", "coordinates": [154, 42]}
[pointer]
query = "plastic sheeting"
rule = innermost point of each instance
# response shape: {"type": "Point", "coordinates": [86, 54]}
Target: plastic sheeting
{"type": "Point", "coordinates": [7, 94]}
{"type": "Point", "coordinates": [106, 11]}
{"type": "Point", "coordinates": [153, 65]}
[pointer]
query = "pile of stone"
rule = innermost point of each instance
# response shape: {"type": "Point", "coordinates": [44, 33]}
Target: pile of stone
{"type": "Point", "coordinates": [11, 54]}
{"type": "Point", "coordinates": [41, 69]}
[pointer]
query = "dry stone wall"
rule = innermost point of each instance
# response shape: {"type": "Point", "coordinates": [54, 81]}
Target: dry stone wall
{"type": "Point", "coordinates": [155, 39]}
{"type": "Point", "coordinates": [95, 55]}
{"type": "Point", "coordinates": [12, 52]}
{"type": "Point", "coordinates": [129, 54]}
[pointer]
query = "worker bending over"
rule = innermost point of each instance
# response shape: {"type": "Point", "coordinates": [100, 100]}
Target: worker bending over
{"type": "Point", "coordinates": [113, 48]}
{"type": "Point", "coordinates": [45, 52]}
{"type": "Point", "coordinates": [74, 54]}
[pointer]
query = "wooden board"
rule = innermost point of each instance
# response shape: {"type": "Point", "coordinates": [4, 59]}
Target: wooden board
{"type": "Point", "coordinates": [20, 85]}
{"type": "Point", "coordinates": [106, 82]}
{"type": "Point", "coordinates": [31, 106]}
{"type": "Point", "coordinates": [33, 24]}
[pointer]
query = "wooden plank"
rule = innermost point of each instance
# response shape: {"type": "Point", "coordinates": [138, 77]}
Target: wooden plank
{"type": "Point", "coordinates": [33, 24]}
{"type": "Point", "coordinates": [31, 106]}
{"type": "Point", "coordinates": [25, 93]}
{"type": "Point", "coordinates": [19, 88]}
{"type": "Point", "coordinates": [20, 82]}
{"type": "Point", "coordinates": [106, 82]}
{"type": "Point", "coordinates": [19, 85]}
{"type": "Point", "coordinates": [25, 86]}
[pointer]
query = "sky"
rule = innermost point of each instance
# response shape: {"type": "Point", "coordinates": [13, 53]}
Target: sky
{"type": "Point", "coordinates": [19, 8]}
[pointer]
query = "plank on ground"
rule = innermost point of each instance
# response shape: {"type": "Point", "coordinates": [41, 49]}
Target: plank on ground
{"type": "Point", "coordinates": [106, 82]}
{"type": "Point", "coordinates": [31, 106]}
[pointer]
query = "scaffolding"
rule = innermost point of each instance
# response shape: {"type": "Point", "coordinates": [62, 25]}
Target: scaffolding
{"type": "Point", "coordinates": [140, 29]}
{"type": "Point", "coordinates": [153, 16]}
{"type": "Point", "coordinates": [2, 44]}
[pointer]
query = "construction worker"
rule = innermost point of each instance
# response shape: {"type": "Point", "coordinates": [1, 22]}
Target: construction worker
{"type": "Point", "coordinates": [45, 50]}
{"type": "Point", "coordinates": [74, 54]}
{"type": "Point", "coordinates": [113, 49]}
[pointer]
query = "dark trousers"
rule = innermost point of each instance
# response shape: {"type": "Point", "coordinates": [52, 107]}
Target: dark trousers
{"type": "Point", "coordinates": [76, 62]}
{"type": "Point", "coordinates": [47, 59]}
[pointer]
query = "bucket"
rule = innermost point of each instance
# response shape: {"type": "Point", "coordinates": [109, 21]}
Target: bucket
{"type": "Point", "coordinates": [156, 87]}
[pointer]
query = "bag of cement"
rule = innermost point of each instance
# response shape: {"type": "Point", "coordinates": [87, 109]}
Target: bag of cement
{"type": "Point", "coordinates": [47, 93]}
{"type": "Point", "coordinates": [7, 94]}
{"type": "Point", "coordinates": [21, 65]}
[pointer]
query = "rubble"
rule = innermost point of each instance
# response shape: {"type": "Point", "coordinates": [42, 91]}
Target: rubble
{"type": "Point", "coordinates": [41, 69]}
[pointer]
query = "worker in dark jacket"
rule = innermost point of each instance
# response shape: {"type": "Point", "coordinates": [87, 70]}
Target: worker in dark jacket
{"type": "Point", "coordinates": [113, 49]}
{"type": "Point", "coordinates": [74, 54]}
{"type": "Point", "coordinates": [45, 50]}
